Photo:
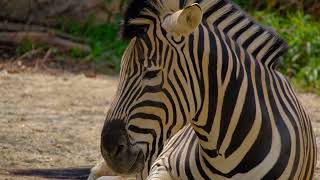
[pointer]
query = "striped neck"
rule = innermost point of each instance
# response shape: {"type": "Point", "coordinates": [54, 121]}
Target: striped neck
{"type": "Point", "coordinates": [262, 43]}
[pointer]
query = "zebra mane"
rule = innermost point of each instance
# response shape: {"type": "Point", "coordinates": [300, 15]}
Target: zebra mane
{"type": "Point", "coordinates": [134, 10]}
{"type": "Point", "coordinates": [263, 43]}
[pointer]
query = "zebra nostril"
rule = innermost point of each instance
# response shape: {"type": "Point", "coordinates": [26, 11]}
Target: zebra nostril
{"type": "Point", "coordinates": [114, 138]}
{"type": "Point", "coordinates": [119, 150]}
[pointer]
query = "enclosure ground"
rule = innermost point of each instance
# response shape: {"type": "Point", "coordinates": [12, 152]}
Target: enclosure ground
{"type": "Point", "coordinates": [55, 121]}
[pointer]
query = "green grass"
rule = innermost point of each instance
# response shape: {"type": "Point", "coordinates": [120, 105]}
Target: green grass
{"type": "Point", "coordinates": [302, 32]}
{"type": "Point", "coordinates": [25, 46]}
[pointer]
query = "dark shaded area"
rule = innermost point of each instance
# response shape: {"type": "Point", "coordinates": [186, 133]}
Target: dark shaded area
{"type": "Point", "coordinates": [54, 12]}
{"type": "Point", "coordinates": [81, 173]}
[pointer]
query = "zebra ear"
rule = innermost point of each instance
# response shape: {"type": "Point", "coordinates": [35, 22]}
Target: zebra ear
{"type": "Point", "coordinates": [185, 21]}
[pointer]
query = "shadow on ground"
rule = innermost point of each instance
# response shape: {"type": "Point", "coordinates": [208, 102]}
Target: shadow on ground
{"type": "Point", "coordinates": [58, 174]}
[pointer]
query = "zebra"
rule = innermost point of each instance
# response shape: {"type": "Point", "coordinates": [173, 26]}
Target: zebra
{"type": "Point", "coordinates": [199, 97]}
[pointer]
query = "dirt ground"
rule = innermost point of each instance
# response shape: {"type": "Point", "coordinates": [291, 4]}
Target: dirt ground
{"type": "Point", "coordinates": [51, 121]}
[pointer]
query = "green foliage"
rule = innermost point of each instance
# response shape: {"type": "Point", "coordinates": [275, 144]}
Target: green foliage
{"type": "Point", "coordinates": [242, 3]}
{"type": "Point", "coordinates": [302, 32]}
{"type": "Point", "coordinates": [103, 39]}
{"type": "Point", "coordinates": [25, 46]}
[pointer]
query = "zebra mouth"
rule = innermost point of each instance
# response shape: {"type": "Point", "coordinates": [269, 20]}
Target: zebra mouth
{"type": "Point", "coordinates": [122, 156]}
{"type": "Point", "coordinates": [138, 164]}
{"type": "Point", "coordinates": [126, 164]}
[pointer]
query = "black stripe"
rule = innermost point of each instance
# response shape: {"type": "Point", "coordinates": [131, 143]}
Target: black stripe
{"type": "Point", "coordinates": [175, 148]}
{"type": "Point", "coordinates": [213, 85]}
{"type": "Point", "coordinates": [160, 51]}
{"type": "Point", "coordinates": [214, 8]}
{"type": "Point", "coordinates": [294, 125]}
{"type": "Point", "coordinates": [182, 90]}
{"type": "Point", "coordinates": [194, 66]}
{"type": "Point", "coordinates": [182, 160]}
{"type": "Point", "coordinates": [234, 23]}
{"type": "Point", "coordinates": [272, 49]}
{"type": "Point", "coordinates": [193, 59]}
{"type": "Point", "coordinates": [197, 155]}
{"type": "Point", "coordinates": [242, 30]}
{"type": "Point", "coordinates": [262, 144]}
{"type": "Point", "coordinates": [151, 103]}
{"type": "Point", "coordinates": [184, 117]}
{"type": "Point", "coordinates": [284, 156]}
{"type": "Point", "coordinates": [182, 70]}
{"type": "Point", "coordinates": [152, 117]}
{"type": "Point", "coordinates": [212, 153]}
{"type": "Point", "coordinates": [174, 113]}
{"type": "Point", "coordinates": [191, 81]}
{"type": "Point", "coordinates": [229, 102]}
{"type": "Point", "coordinates": [253, 37]}
{"type": "Point", "coordinates": [224, 16]}
{"type": "Point", "coordinates": [128, 96]}
{"type": "Point", "coordinates": [189, 151]}
{"type": "Point", "coordinates": [154, 136]}
{"type": "Point", "coordinates": [164, 57]}
{"type": "Point", "coordinates": [227, 57]}
{"type": "Point", "coordinates": [259, 48]}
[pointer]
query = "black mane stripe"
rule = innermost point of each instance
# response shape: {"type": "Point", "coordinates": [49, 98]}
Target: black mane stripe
{"type": "Point", "coordinates": [261, 42]}
{"type": "Point", "coordinates": [134, 10]}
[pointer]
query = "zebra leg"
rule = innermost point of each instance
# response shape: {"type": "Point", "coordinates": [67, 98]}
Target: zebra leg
{"type": "Point", "coordinates": [159, 171]}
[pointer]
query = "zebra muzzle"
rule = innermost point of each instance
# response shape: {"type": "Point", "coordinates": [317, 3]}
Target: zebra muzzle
{"type": "Point", "coordinates": [123, 157]}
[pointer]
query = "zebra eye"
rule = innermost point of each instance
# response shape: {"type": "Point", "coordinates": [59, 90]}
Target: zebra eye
{"type": "Point", "coordinates": [150, 74]}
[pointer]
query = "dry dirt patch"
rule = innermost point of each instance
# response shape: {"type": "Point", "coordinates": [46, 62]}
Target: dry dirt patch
{"type": "Point", "coordinates": [55, 121]}
{"type": "Point", "coordinates": [51, 121]}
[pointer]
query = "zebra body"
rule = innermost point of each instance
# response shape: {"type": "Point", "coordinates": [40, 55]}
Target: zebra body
{"type": "Point", "coordinates": [199, 98]}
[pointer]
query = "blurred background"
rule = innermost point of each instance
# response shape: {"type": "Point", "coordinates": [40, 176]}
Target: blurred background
{"type": "Point", "coordinates": [59, 61]}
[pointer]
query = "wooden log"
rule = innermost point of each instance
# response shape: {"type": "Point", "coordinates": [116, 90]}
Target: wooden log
{"type": "Point", "coordinates": [42, 38]}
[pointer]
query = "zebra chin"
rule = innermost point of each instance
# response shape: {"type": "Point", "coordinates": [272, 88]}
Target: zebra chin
{"type": "Point", "coordinates": [121, 155]}
{"type": "Point", "coordinates": [130, 164]}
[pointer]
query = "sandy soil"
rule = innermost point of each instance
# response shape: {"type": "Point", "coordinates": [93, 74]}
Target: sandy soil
{"type": "Point", "coordinates": [55, 121]}
{"type": "Point", "coordinates": [52, 121]}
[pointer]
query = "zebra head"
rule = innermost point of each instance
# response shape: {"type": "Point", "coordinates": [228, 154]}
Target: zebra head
{"type": "Point", "coordinates": [156, 94]}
